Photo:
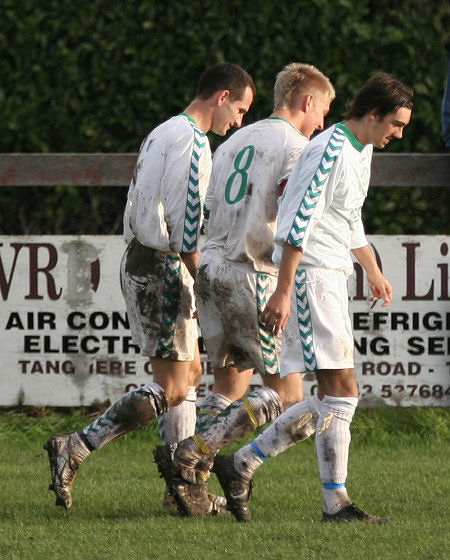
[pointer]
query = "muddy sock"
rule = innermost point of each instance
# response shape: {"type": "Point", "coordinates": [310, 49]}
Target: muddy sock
{"type": "Point", "coordinates": [240, 418]}
{"type": "Point", "coordinates": [129, 412]}
{"type": "Point", "coordinates": [296, 424]}
{"type": "Point", "coordinates": [332, 445]}
{"type": "Point", "coordinates": [212, 406]}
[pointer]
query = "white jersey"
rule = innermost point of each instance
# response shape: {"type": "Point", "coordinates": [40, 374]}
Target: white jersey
{"type": "Point", "coordinates": [320, 210]}
{"type": "Point", "coordinates": [248, 171]}
{"type": "Point", "coordinates": [166, 195]}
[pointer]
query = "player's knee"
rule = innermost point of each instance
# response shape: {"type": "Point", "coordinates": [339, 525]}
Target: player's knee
{"type": "Point", "coordinates": [340, 382]}
{"type": "Point", "coordinates": [289, 397]}
{"type": "Point", "coordinates": [195, 373]}
{"type": "Point", "coordinates": [289, 389]}
{"type": "Point", "coordinates": [176, 395]}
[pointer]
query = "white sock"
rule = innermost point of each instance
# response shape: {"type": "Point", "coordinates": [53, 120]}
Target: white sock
{"type": "Point", "coordinates": [332, 445]}
{"type": "Point", "coordinates": [178, 423]}
{"type": "Point", "coordinates": [294, 425]}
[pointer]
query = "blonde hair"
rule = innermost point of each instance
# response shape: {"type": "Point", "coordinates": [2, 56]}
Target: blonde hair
{"type": "Point", "coordinates": [298, 79]}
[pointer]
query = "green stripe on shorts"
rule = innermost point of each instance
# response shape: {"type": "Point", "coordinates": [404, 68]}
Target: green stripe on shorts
{"type": "Point", "coordinates": [266, 337]}
{"type": "Point", "coordinates": [304, 321]}
{"type": "Point", "coordinates": [170, 308]}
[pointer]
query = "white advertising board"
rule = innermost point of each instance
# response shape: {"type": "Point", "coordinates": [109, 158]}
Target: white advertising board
{"type": "Point", "coordinates": [66, 340]}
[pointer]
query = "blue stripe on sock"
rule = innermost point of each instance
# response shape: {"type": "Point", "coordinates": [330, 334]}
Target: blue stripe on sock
{"type": "Point", "coordinates": [258, 451]}
{"type": "Point", "coordinates": [331, 486]}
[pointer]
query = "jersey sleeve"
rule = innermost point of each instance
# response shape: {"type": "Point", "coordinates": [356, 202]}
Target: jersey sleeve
{"type": "Point", "coordinates": [309, 191]}
{"type": "Point", "coordinates": [141, 194]}
{"type": "Point", "coordinates": [358, 235]}
{"type": "Point", "coordinates": [180, 189]}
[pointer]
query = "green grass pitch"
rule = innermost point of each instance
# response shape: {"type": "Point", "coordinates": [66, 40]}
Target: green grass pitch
{"type": "Point", "coordinates": [398, 468]}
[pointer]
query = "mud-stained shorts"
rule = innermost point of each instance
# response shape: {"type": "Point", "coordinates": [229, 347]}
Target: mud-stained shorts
{"type": "Point", "coordinates": [319, 332]}
{"type": "Point", "coordinates": [159, 297]}
{"type": "Point", "coordinates": [230, 300]}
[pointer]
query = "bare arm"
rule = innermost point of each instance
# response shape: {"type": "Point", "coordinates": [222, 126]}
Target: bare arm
{"type": "Point", "coordinates": [276, 313]}
{"type": "Point", "coordinates": [379, 285]}
{"type": "Point", "coordinates": [191, 262]}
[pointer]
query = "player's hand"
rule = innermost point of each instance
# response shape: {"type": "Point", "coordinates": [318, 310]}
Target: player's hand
{"type": "Point", "coordinates": [381, 289]}
{"type": "Point", "coordinates": [276, 313]}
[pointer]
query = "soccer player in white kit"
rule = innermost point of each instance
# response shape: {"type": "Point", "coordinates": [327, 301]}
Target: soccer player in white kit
{"type": "Point", "coordinates": [236, 275]}
{"type": "Point", "coordinates": [162, 222]}
{"type": "Point", "coordinates": [319, 223]}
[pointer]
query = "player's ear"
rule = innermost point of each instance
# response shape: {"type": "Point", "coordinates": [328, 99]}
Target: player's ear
{"type": "Point", "coordinates": [221, 96]}
{"type": "Point", "coordinates": [307, 102]}
{"type": "Point", "coordinates": [373, 115]}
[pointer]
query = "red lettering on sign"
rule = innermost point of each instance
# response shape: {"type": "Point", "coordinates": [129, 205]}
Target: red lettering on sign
{"type": "Point", "coordinates": [35, 268]}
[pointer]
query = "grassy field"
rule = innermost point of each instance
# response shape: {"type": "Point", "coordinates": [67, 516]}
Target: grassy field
{"type": "Point", "coordinates": [399, 467]}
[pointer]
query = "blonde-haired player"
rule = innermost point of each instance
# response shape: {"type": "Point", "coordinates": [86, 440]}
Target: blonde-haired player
{"type": "Point", "coordinates": [236, 275]}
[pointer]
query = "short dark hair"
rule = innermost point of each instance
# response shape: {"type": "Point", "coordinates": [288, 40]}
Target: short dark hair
{"type": "Point", "coordinates": [224, 75]}
{"type": "Point", "coordinates": [382, 93]}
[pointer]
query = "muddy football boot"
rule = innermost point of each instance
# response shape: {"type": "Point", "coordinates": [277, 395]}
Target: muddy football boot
{"type": "Point", "coordinates": [187, 455]}
{"type": "Point", "coordinates": [65, 453]}
{"type": "Point", "coordinates": [237, 489]}
{"type": "Point", "coordinates": [219, 503]}
{"type": "Point", "coordinates": [353, 513]}
{"type": "Point", "coordinates": [168, 500]}
{"type": "Point", "coordinates": [192, 498]}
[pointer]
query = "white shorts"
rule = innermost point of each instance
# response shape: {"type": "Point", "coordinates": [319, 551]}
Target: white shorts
{"type": "Point", "coordinates": [230, 300]}
{"type": "Point", "coordinates": [159, 297]}
{"type": "Point", "coordinates": [319, 333]}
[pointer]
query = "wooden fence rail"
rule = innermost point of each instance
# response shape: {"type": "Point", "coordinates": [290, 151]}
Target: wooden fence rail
{"type": "Point", "coordinates": [103, 170]}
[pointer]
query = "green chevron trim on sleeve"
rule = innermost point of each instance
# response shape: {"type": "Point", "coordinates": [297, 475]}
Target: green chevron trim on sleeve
{"type": "Point", "coordinates": [315, 188]}
{"type": "Point", "coordinates": [192, 212]}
